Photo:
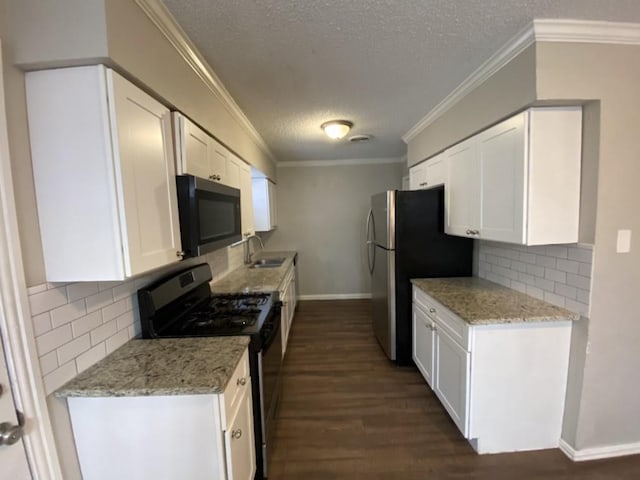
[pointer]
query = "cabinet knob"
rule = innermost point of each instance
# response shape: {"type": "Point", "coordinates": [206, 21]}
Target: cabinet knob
{"type": "Point", "coordinates": [212, 177]}
{"type": "Point", "coordinates": [10, 434]}
{"type": "Point", "coordinates": [236, 434]}
{"type": "Point", "coordinates": [180, 254]}
{"type": "Point", "coordinates": [242, 381]}
{"type": "Point", "coordinates": [423, 184]}
{"type": "Point", "coordinates": [432, 310]}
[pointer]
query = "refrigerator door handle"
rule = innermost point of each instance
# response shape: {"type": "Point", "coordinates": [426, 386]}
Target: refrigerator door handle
{"type": "Point", "coordinates": [371, 263]}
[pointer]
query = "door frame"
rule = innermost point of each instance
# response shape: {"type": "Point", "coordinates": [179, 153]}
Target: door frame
{"type": "Point", "coordinates": [16, 325]}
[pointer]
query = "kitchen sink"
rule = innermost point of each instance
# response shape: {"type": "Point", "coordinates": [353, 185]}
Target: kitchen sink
{"type": "Point", "coordinates": [267, 263]}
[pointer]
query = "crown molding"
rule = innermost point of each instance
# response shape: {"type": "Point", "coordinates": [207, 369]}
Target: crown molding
{"type": "Point", "coordinates": [543, 30]}
{"type": "Point", "coordinates": [166, 23]}
{"type": "Point", "coordinates": [582, 31]}
{"type": "Point", "coordinates": [339, 163]}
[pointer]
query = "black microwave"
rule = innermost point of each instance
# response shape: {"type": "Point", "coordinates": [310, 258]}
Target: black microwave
{"type": "Point", "coordinates": [209, 215]}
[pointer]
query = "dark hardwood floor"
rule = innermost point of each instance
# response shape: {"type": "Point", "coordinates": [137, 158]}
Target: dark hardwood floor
{"type": "Point", "coordinates": [348, 413]}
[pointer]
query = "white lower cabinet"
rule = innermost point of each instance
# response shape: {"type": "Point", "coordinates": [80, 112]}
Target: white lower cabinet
{"type": "Point", "coordinates": [288, 298]}
{"type": "Point", "coordinates": [165, 437]}
{"type": "Point", "coordinates": [502, 384]}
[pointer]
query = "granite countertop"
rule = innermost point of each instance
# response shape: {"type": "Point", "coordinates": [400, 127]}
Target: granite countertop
{"type": "Point", "coordinates": [480, 302]}
{"type": "Point", "coordinates": [245, 279]}
{"type": "Point", "coordinates": [171, 366]}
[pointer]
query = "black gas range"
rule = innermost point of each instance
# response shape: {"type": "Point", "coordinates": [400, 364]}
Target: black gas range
{"type": "Point", "coordinates": [182, 305]}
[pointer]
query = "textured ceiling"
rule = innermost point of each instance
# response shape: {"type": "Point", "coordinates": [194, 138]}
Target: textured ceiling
{"type": "Point", "coordinates": [383, 64]}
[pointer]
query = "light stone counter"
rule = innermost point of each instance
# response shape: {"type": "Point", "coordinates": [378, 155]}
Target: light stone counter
{"type": "Point", "coordinates": [478, 301]}
{"type": "Point", "coordinates": [245, 279]}
{"type": "Point", "coordinates": [171, 366]}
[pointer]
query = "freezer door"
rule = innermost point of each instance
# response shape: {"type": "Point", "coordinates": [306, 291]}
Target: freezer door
{"type": "Point", "coordinates": [383, 300]}
{"type": "Point", "coordinates": [383, 219]}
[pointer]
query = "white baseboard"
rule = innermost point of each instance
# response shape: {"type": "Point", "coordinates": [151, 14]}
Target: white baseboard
{"type": "Point", "coordinates": [596, 453]}
{"type": "Point", "coordinates": [336, 296]}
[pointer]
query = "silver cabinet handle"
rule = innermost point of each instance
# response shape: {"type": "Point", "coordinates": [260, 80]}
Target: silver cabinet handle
{"type": "Point", "coordinates": [212, 177]}
{"type": "Point", "coordinates": [241, 381]}
{"type": "Point", "coordinates": [236, 434]}
{"type": "Point", "coordinates": [424, 184]}
{"type": "Point", "coordinates": [10, 434]}
{"type": "Point", "coordinates": [180, 254]}
{"type": "Point", "coordinates": [473, 232]}
{"type": "Point", "coordinates": [432, 310]}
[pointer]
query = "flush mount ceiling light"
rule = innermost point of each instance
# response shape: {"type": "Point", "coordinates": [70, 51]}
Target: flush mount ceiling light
{"type": "Point", "coordinates": [336, 129]}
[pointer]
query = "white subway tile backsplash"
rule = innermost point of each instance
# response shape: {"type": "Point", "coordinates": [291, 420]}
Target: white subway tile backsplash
{"type": "Point", "coordinates": [579, 281]}
{"type": "Point", "coordinates": [77, 324]}
{"type": "Point", "coordinates": [71, 350]}
{"type": "Point", "coordinates": [47, 300]}
{"type": "Point", "coordinates": [99, 300]}
{"type": "Point", "coordinates": [80, 290]}
{"type": "Point", "coordinates": [86, 324]}
{"type": "Point", "coordinates": [554, 299]}
{"type": "Point", "coordinates": [547, 262]}
{"type": "Point", "coordinates": [41, 323]}
{"type": "Point", "coordinates": [569, 266]}
{"type": "Point", "coordinates": [103, 332]}
{"type": "Point", "coordinates": [114, 310]}
{"type": "Point", "coordinates": [91, 356]}
{"type": "Point", "coordinates": [117, 340]}
{"type": "Point", "coordinates": [555, 275]}
{"type": "Point", "coordinates": [59, 377]}
{"type": "Point", "coordinates": [48, 362]}
{"type": "Point", "coordinates": [558, 274]}
{"type": "Point", "coordinates": [53, 339]}
{"type": "Point", "coordinates": [67, 313]}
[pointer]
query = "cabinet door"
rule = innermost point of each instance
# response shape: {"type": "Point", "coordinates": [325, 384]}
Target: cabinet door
{"type": "Point", "coordinates": [145, 174]}
{"type": "Point", "coordinates": [194, 148]}
{"type": "Point", "coordinates": [451, 380]}
{"type": "Point", "coordinates": [284, 318]}
{"type": "Point", "coordinates": [264, 204]}
{"type": "Point", "coordinates": [218, 158]}
{"type": "Point", "coordinates": [273, 215]}
{"type": "Point", "coordinates": [436, 171]}
{"type": "Point", "coordinates": [232, 176]}
{"type": "Point", "coordinates": [501, 151]}
{"type": "Point", "coordinates": [417, 177]}
{"type": "Point", "coordinates": [239, 445]}
{"type": "Point", "coordinates": [246, 199]}
{"type": "Point", "coordinates": [462, 196]}
{"type": "Point", "coordinates": [423, 344]}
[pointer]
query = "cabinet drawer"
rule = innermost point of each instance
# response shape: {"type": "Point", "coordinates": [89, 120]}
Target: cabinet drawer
{"type": "Point", "coordinates": [239, 383]}
{"type": "Point", "coordinates": [457, 328]}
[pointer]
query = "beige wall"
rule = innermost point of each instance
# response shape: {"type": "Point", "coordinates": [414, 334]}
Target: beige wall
{"type": "Point", "coordinates": [321, 214]}
{"type": "Point", "coordinates": [68, 32]}
{"type": "Point", "coordinates": [607, 412]}
{"type": "Point", "coordinates": [508, 90]}
{"type": "Point", "coordinates": [604, 387]}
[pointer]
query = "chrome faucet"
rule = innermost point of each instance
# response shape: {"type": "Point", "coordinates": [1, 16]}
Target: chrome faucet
{"type": "Point", "coordinates": [246, 243]}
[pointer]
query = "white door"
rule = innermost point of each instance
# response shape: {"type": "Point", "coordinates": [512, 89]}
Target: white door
{"type": "Point", "coordinates": [232, 178]}
{"type": "Point", "coordinates": [451, 382]}
{"type": "Point", "coordinates": [436, 171]}
{"type": "Point", "coordinates": [501, 151]}
{"type": "Point", "coordinates": [196, 147]}
{"type": "Point", "coordinates": [246, 199]}
{"type": "Point", "coordinates": [417, 177]}
{"type": "Point", "coordinates": [13, 459]}
{"type": "Point", "coordinates": [462, 195]}
{"type": "Point", "coordinates": [218, 158]}
{"type": "Point", "coordinates": [145, 169]}
{"type": "Point", "coordinates": [423, 344]}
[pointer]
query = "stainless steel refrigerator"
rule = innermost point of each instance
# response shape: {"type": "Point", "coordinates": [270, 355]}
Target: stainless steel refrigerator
{"type": "Point", "coordinates": [405, 240]}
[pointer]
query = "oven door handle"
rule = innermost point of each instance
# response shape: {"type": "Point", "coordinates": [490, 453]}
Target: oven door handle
{"type": "Point", "coordinates": [276, 331]}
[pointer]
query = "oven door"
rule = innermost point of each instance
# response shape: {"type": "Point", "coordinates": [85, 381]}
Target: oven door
{"type": "Point", "coordinates": [270, 364]}
{"type": "Point", "coordinates": [209, 215]}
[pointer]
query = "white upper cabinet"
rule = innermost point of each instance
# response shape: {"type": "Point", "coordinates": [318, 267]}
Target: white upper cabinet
{"type": "Point", "coordinates": [104, 175]}
{"type": "Point", "coordinates": [264, 204]}
{"type": "Point", "coordinates": [201, 155]}
{"type": "Point", "coordinates": [246, 198]}
{"type": "Point", "coordinates": [429, 173]}
{"type": "Point", "coordinates": [518, 181]}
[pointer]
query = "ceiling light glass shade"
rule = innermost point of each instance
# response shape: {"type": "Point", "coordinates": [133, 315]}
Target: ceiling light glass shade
{"type": "Point", "coordinates": [336, 129]}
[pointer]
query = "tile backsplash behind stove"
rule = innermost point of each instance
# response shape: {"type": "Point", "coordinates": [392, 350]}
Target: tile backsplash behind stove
{"type": "Point", "coordinates": [558, 274]}
{"type": "Point", "coordinates": [78, 324]}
